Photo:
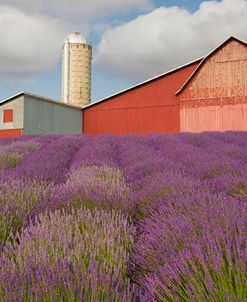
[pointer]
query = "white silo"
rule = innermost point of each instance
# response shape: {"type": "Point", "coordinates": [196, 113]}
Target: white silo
{"type": "Point", "coordinates": [76, 70]}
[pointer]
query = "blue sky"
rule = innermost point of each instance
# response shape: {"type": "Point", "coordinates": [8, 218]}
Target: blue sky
{"type": "Point", "coordinates": [132, 40]}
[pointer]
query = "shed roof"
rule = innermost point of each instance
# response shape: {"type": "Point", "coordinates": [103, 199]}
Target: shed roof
{"type": "Point", "coordinates": [38, 97]}
{"type": "Point", "coordinates": [206, 58]}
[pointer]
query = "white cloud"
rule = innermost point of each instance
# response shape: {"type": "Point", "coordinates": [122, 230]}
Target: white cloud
{"type": "Point", "coordinates": [30, 44]}
{"type": "Point", "coordinates": [79, 10]}
{"type": "Point", "coordinates": [168, 37]}
{"type": "Point", "coordinates": [31, 31]}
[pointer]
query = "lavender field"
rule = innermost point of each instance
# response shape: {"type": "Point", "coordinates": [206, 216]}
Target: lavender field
{"type": "Point", "coordinates": [123, 218]}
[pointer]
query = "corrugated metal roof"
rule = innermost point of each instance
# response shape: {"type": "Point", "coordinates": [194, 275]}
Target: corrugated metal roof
{"type": "Point", "coordinates": [38, 97]}
{"type": "Point", "coordinates": [142, 83]}
{"type": "Point", "coordinates": [205, 58]}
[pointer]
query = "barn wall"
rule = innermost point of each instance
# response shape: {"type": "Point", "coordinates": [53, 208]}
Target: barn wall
{"type": "Point", "coordinates": [152, 107]}
{"type": "Point", "coordinates": [46, 117]}
{"type": "Point", "coordinates": [216, 98]}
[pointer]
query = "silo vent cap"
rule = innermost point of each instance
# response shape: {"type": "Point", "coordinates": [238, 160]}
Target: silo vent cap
{"type": "Point", "coordinates": [75, 37]}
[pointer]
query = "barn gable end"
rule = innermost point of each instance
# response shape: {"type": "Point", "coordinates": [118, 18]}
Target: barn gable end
{"type": "Point", "coordinates": [215, 96]}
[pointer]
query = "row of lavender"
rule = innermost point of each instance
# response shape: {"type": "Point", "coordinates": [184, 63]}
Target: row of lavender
{"type": "Point", "coordinates": [123, 218]}
{"type": "Point", "coordinates": [55, 244]}
{"type": "Point", "coordinates": [190, 195]}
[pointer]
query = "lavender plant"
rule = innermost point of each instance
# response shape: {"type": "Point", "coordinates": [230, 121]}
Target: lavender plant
{"type": "Point", "coordinates": [17, 199]}
{"type": "Point", "coordinates": [193, 248]}
{"type": "Point", "coordinates": [11, 154]}
{"type": "Point", "coordinates": [50, 163]}
{"type": "Point", "coordinates": [76, 256]}
{"type": "Point", "coordinates": [68, 197]}
{"type": "Point", "coordinates": [96, 186]}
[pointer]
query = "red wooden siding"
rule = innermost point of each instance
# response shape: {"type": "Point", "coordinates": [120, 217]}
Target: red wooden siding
{"type": "Point", "coordinates": [11, 133]}
{"type": "Point", "coordinates": [148, 108]}
{"type": "Point", "coordinates": [8, 115]}
{"type": "Point", "coordinates": [216, 97]}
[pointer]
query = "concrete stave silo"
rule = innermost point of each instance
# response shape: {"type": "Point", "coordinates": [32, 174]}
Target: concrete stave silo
{"type": "Point", "coordinates": [76, 70]}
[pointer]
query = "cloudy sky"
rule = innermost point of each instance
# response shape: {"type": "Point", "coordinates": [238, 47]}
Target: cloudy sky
{"type": "Point", "coordinates": [132, 40]}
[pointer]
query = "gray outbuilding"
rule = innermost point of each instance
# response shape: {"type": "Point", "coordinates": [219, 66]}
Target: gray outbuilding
{"type": "Point", "coordinates": [27, 113]}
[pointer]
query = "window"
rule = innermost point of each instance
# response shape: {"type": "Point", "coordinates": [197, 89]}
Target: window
{"type": "Point", "coordinates": [8, 115]}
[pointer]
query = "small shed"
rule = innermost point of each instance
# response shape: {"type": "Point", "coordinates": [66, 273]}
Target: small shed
{"type": "Point", "coordinates": [27, 113]}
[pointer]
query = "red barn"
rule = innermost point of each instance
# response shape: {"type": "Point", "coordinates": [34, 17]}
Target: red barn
{"type": "Point", "coordinates": [207, 94]}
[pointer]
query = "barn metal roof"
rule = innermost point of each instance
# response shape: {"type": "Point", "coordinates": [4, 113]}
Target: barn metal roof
{"type": "Point", "coordinates": [142, 83]}
{"type": "Point", "coordinates": [206, 58]}
{"type": "Point", "coordinates": [38, 97]}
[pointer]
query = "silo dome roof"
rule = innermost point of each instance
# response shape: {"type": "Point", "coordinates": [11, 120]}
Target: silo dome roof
{"type": "Point", "coordinates": [76, 37]}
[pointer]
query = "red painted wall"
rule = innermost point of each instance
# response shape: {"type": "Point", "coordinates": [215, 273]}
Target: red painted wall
{"type": "Point", "coordinates": [151, 107]}
{"type": "Point", "coordinates": [11, 133]}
